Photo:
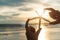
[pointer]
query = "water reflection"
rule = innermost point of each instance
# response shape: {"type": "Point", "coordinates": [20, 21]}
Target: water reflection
{"type": "Point", "coordinates": [10, 33]}
{"type": "Point", "coordinates": [49, 34]}
{"type": "Point", "coordinates": [46, 34]}
{"type": "Point", "coordinates": [42, 34]}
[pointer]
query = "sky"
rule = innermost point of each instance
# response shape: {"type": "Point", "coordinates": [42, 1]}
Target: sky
{"type": "Point", "coordinates": [18, 11]}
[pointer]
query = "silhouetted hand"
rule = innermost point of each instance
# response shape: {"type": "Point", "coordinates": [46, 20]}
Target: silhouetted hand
{"type": "Point", "coordinates": [31, 34]}
{"type": "Point", "coordinates": [52, 13]}
{"type": "Point", "coordinates": [55, 14]}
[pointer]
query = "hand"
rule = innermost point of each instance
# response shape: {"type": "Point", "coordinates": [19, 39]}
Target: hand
{"type": "Point", "coordinates": [53, 13]}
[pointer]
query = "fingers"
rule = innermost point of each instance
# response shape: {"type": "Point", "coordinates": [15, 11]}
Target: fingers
{"type": "Point", "coordinates": [51, 9]}
{"type": "Point", "coordinates": [48, 8]}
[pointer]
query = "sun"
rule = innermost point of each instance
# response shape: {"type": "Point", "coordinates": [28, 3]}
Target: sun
{"type": "Point", "coordinates": [46, 14]}
{"type": "Point", "coordinates": [43, 13]}
{"type": "Point", "coordinates": [40, 11]}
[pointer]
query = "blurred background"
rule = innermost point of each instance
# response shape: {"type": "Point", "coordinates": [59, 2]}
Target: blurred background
{"type": "Point", "coordinates": [14, 13]}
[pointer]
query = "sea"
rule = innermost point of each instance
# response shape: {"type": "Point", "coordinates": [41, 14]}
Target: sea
{"type": "Point", "coordinates": [12, 32]}
{"type": "Point", "coordinates": [48, 32]}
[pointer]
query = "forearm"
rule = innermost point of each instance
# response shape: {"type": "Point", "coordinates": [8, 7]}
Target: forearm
{"type": "Point", "coordinates": [26, 25]}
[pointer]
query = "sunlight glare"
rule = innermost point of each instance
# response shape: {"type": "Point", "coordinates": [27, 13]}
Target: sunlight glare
{"type": "Point", "coordinates": [46, 14]}
{"type": "Point", "coordinates": [43, 13]}
{"type": "Point", "coordinates": [42, 34]}
{"type": "Point", "coordinates": [40, 11]}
